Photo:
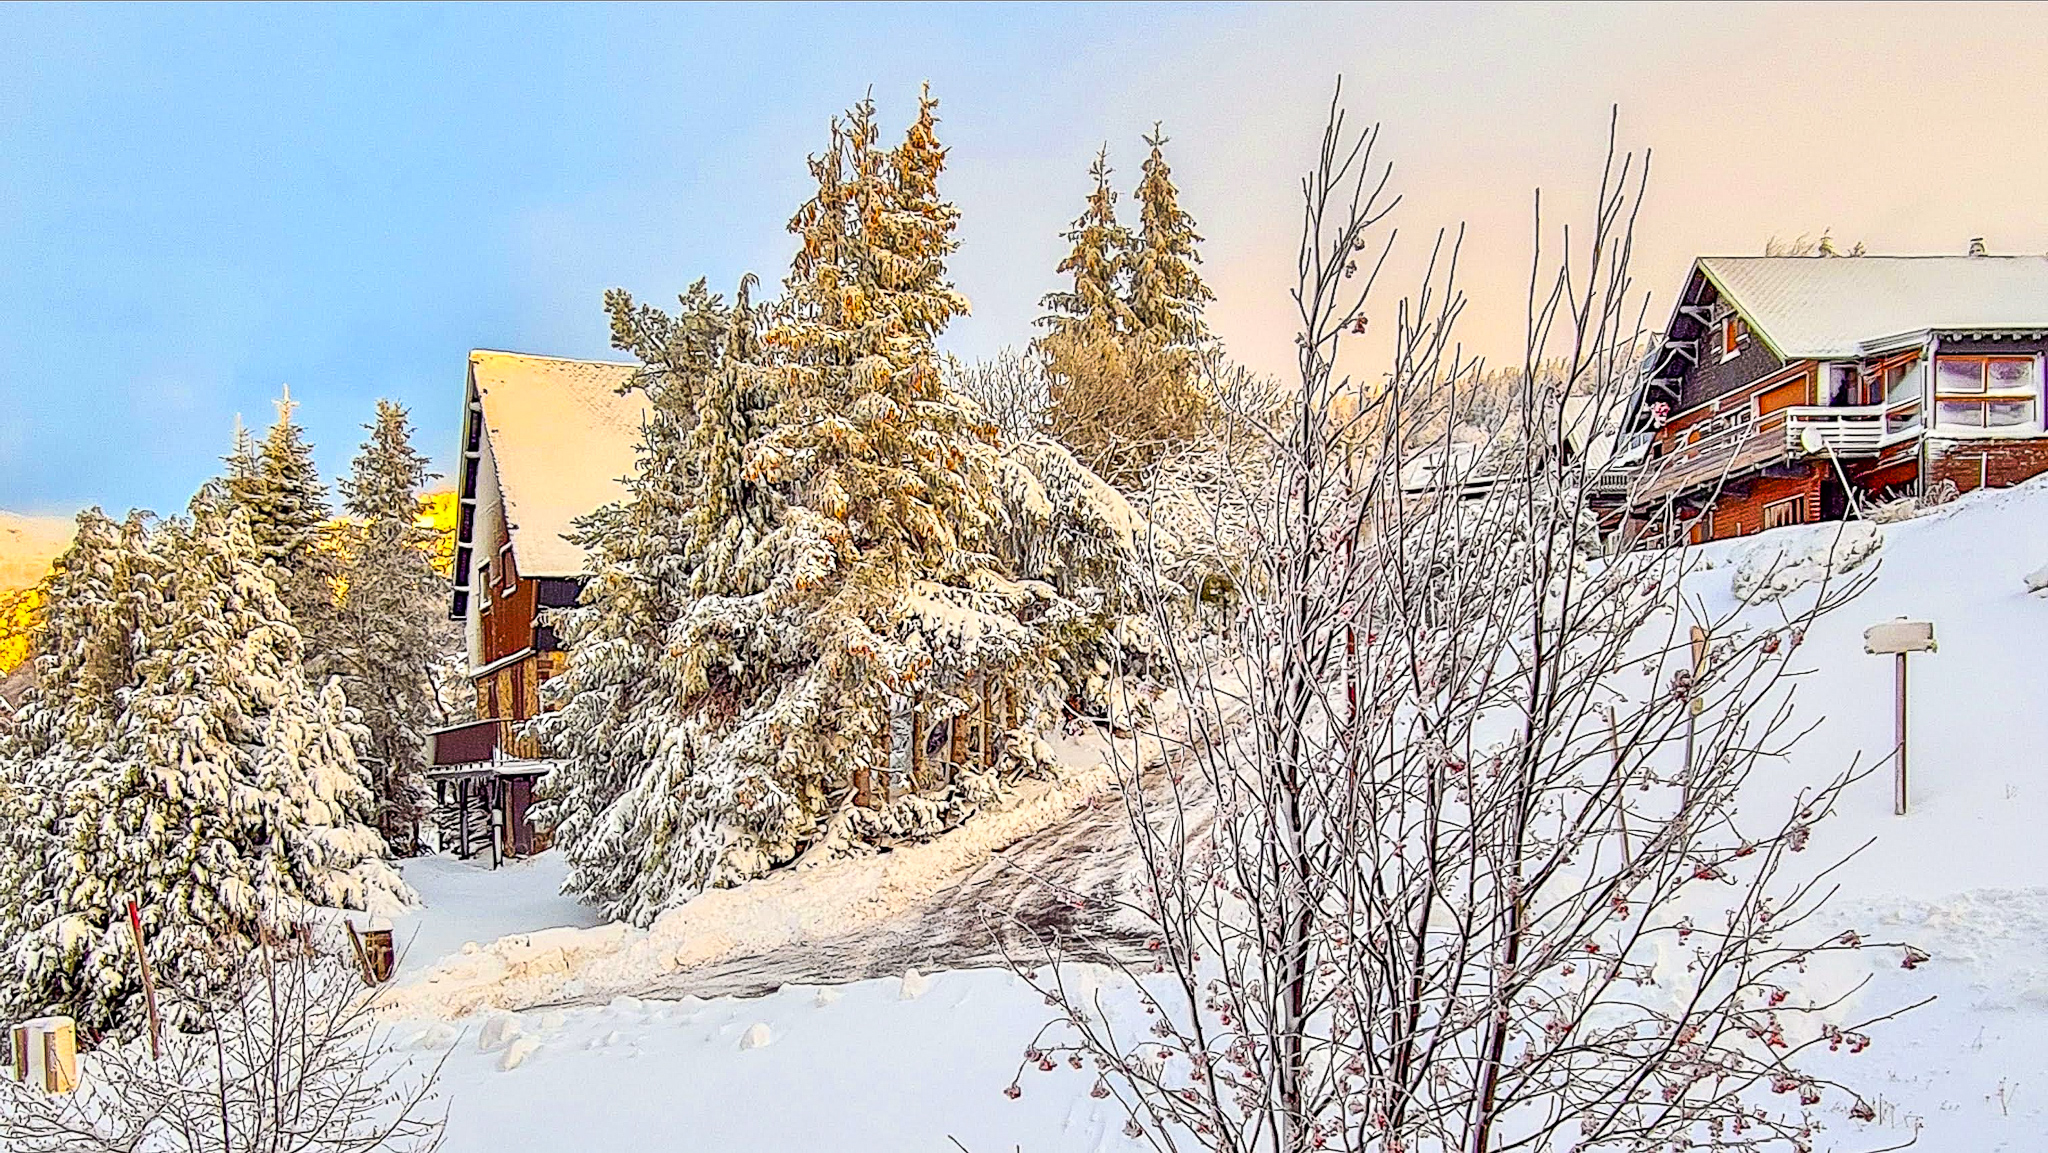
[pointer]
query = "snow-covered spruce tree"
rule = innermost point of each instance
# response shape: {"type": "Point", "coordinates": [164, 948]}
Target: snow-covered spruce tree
{"type": "Point", "coordinates": [288, 510]}
{"type": "Point", "coordinates": [390, 624]}
{"type": "Point", "coordinates": [1120, 383]}
{"type": "Point", "coordinates": [84, 647]}
{"type": "Point", "coordinates": [1165, 292]}
{"type": "Point", "coordinates": [799, 602]}
{"type": "Point", "coordinates": [671, 640]}
{"type": "Point", "coordinates": [885, 473]}
{"type": "Point", "coordinates": [1491, 857]}
{"type": "Point", "coordinates": [1097, 261]}
{"type": "Point", "coordinates": [227, 800]}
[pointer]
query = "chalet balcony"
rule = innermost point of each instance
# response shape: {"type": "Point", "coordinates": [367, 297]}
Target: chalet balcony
{"type": "Point", "coordinates": [1849, 432]}
{"type": "Point", "coordinates": [480, 742]}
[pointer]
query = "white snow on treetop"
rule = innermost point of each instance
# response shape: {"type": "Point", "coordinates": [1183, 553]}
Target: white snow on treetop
{"type": "Point", "coordinates": [562, 437]}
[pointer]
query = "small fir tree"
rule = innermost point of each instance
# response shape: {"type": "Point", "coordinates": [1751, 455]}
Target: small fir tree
{"type": "Point", "coordinates": [389, 623]}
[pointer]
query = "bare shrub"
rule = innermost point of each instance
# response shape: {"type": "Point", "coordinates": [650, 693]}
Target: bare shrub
{"type": "Point", "coordinates": [1467, 870]}
{"type": "Point", "coordinates": [287, 1057]}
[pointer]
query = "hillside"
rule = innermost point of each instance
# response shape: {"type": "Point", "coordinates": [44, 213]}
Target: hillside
{"type": "Point", "coordinates": [1961, 877]}
{"type": "Point", "coordinates": [27, 546]}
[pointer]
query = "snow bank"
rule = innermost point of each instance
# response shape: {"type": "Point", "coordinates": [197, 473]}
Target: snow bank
{"type": "Point", "coordinates": [1786, 560]}
{"type": "Point", "coordinates": [785, 908]}
{"type": "Point", "coordinates": [864, 1071]}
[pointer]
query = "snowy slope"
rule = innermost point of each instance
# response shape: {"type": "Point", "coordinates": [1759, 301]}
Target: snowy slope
{"type": "Point", "coordinates": [1964, 876]}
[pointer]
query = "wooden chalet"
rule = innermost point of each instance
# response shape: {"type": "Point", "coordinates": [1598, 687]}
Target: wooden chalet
{"type": "Point", "coordinates": [544, 440]}
{"type": "Point", "coordinates": [1785, 388]}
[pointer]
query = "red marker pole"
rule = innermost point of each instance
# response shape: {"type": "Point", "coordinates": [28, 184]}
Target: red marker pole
{"type": "Point", "coordinates": [148, 982]}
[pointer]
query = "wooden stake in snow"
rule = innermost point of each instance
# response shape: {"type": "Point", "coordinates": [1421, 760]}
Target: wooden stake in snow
{"type": "Point", "coordinates": [148, 982]}
{"type": "Point", "coordinates": [1899, 637]}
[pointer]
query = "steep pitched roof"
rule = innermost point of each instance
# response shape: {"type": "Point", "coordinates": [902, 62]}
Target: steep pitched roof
{"type": "Point", "coordinates": [562, 438]}
{"type": "Point", "coordinates": [1816, 307]}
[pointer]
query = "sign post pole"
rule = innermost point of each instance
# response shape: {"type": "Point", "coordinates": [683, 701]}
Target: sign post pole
{"type": "Point", "coordinates": [1899, 637]}
{"type": "Point", "coordinates": [1899, 776]}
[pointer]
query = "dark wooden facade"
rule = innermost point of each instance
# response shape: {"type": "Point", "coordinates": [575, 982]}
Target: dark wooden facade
{"type": "Point", "coordinates": [1738, 438]}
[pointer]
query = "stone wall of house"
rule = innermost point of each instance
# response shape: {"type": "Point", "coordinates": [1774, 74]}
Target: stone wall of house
{"type": "Point", "coordinates": [1980, 461]}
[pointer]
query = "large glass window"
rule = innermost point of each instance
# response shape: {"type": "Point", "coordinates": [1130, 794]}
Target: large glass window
{"type": "Point", "coordinates": [1986, 392]}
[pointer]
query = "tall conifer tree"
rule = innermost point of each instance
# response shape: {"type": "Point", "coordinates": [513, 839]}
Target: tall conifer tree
{"type": "Point", "coordinates": [742, 645]}
{"type": "Point", "coordinates": [390, 624]}
{"type": "Point", "coordinates": [1166, 293]}
{"type": "Point", "coordinates": [288, 510]}
{"type": "Point", "coordinates": [1097, 262]}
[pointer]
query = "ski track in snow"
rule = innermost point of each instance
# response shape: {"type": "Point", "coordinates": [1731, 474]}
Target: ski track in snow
{"type": "Point", "coordinates": [1054, 863]}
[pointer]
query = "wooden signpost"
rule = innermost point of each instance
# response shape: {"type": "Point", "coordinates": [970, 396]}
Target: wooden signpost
{"type": "Point", "coordinates": [1899, 637]}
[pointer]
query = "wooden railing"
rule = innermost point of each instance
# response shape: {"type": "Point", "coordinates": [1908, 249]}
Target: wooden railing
{"type": "Point", "coordinates": [480, 741]}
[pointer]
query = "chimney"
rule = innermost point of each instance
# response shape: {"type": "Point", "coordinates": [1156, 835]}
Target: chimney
{"type": "Point", "coordinates": [1977, 246]}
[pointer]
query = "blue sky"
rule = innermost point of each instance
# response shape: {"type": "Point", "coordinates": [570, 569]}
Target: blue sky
{"type": "Point", "coordinates": [199, 205]}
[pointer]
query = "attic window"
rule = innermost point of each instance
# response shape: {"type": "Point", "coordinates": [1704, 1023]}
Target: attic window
{"type": "Point", "coordinates": [505, 572]}
{"type": "Point", "coordinates": [1732, 332]}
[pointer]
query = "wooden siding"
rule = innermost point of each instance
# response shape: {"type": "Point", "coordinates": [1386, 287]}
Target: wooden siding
{"type": "Point", "coordinates": [1740, 509]}
{"type": "Point", "coordinates": [507, 619]}
{"type": "Point", "coordinates": [1713, 377]}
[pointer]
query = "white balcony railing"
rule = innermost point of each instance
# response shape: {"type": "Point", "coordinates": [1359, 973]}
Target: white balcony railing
{"type": "Point", "coordinates": [1851, 432]}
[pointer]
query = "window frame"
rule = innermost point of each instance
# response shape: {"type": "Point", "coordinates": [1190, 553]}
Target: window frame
{"type": "Point", "coordinates": [1985, 395]}
{"type": "Point", "coordinates": [1732, 332]}
{"type": "Point", "coordinates": [509, 580]}
{"type": "Point", "coordinates": [1794, 506]}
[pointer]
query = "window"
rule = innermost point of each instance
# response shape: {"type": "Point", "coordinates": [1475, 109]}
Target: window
{"type": "Point", "coordinates": [505, 571]}
{"type": "Point", "coordinates": [1844, 385]}
{"type": "Point", "coordinates": [1986, 392]}
{"type": "Point", "coordinates": [1732, 332]}
{"type": "Point", "coordinates": [1902, 382]}
{"type": "Point", "coordinates": [1780, 513]}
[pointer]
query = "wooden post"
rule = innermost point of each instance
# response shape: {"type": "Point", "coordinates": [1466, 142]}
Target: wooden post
{"type": "Point", "coordinates": [988, 735]}
{"type": "Point", "coordinates": [45, 1054]}
{"type": "Point", "coordinates": [1694, 705]}
{"type": "Point", "coordinates": [148, 981]}
{"type": "Point", "coordinates": [918, 783]}
{"type": "Point", "coordinates": [1899, 777]}
{"type": "Point", "coordinates": [362, 954]}
{"type": "Point", "coordinates": [957, 752]}
{"type": "Point", "coordinates": [1896, 638]}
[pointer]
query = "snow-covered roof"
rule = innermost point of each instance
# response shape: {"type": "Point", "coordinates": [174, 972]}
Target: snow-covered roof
{"type": "Point", "coordinates": [562, 437]}
{"type": "Point", "coordinates": [1815, 307]}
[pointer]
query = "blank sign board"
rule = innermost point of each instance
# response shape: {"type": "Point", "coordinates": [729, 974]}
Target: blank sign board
{"type": "Point", "coordinates": [1899, 636]}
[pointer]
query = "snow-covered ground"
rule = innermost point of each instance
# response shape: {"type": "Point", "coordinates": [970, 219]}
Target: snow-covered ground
{"type": "Point", "coordinates": [889, 1064]}
{"type": "Point", "coordinates": [896, 1065]}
